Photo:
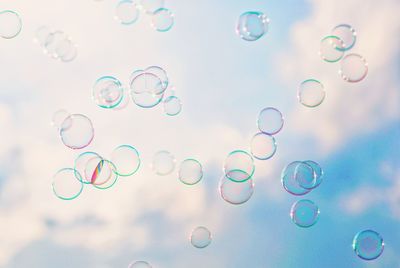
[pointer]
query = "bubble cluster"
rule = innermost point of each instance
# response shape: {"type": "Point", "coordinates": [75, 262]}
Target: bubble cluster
{"type": "Point", "coordinates": [304, 213]}
{"type": "Point", "coordinates": [368, 245]}
{"type": "Point", "coordinates": [56, 44]}
{"type": "Point", "coordinates": [252, 25]}
{"type": "Point", "coordinates": [10, 24]}
{"type": "Point", "coordinates": [200, 237]}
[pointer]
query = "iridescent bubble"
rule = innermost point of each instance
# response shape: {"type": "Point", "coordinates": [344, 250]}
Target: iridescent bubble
{"type": "Point", "coordinates": [317, 171]}
{"type": "Point", "coordinates": [200, 237]}
{"type": "Point", "coordinates": [107, 92]}
{"type": "Point", "coordinates": [150, 6]}
{"type": "Point", "coordinates": [126, 12]}
{"type": "Point", "coordinates": [289, 181]}
{"type": "Point", "coordinates": [126, 159]}
{"type": "Point", "coordinates": [163, 163]}
{"type": "Point", "coordinates": [311, 93]}
{"type": "Point", "coordinates": [172, 105]}
{"type": "Point", "coordinates": [81, 164]}
{"type": "Point", "coordinates": [140, 264]}
{"type": "Point", "coordinates": [59, 117]}
{"type": "Point", "coordinates": [190, 171]}
{"type": "Point", "coordinates": [353, 68]}
{"type": "Point", "coordinates": [77, 131]}
{"type": "Point", "coordinates": [162, 20]}
{"type": "Point", "coordinates": [252, 25]}
{"type": "Point", "coordinates": [146, 90]}
{"type": "Point", "coordinates": [10, 24]}
{"type": "Point", "coordinates": [270, 120]}
{"type": "Point", "coordinates": [304, 213]}
{"type": "Point", "coordinates": [368, 245]}
{"type": "Point", "coordinates": [305, 176]}
{"type": "Point", "coordinates": [102, 173]}
{"type": "Point", "coordinates": [67, 184]}
{"type": "Point", "coordinates": [330, 48]}
{"type": "Point", "coordinates": [347, 34]}
{"type": "Point", "coordinates": [262, 146]}
{"type": "Point", "coordinates": [239, 166]}
{"type": "Point", "coordinates": [236, 193]}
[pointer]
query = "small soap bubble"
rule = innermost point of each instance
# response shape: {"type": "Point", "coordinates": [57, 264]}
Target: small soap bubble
{"type": "Point", "coordinates": [330, 48]}
{"type": "Point", "coordinates": [353, 68]}
{"type": "Point", "coordinates": [236, 193]}
{"type": "Point", "coordinates": [107, 92]}
{"type": "Point", "coordinates": [172, 105]}
{"type": "Point", "coordinates": [10, 24]}
{"type": "Point", "coordinates": [311, 93]}
{"type": "Point", "coordinates": [347, 34]}
{"type": "Point", "coordinates": [252, 25]}
{"type": "Point", "coordinates": [239, 166]}
{"type": "Point", "coordinates": [126, 12]}
{"type": "Point", "coordinates": [67, 184]}
{"type": "Point", "coordinates": [304, 213]}
{"type": "Point", "coordinates": [289, 182]}
{"type": "Point", "coordinates": [162, 20]}
{"type": "Point", "coordinates": [270, 121]}
{"type": "Point", "coordinates": [200, 237]}
{"type": "Point", "coordinates": [81, 162]}
{"type": "Point", "coordinates": [368, 245]}
{"type": "Point", "coordinates": [190, 171]}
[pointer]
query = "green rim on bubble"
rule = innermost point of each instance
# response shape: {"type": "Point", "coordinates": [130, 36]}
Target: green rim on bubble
{"type": "Point", "coordinates": [248, 175]}
{"type": "Point", "coordinates": [109, 183]}
{"type": "Point", "coordinates": [76, 175]}
{"type": "Point", "coordinates": [5, 36]}
{"type": "Point", "coordinates": [120, 90]}
{"type": "Point", "coordinates": [341, 53]}
{"type": "Point", "coordinates": [160, 12]}
{"type": "Point", "coordinates": [201, 170]}
{"type": "Point", "coordinates": [138, 157]}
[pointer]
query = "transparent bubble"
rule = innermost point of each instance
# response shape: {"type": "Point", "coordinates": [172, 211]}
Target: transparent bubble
{"type": "Point", "coordinates": [67, 184]}
{"type": "Point", "coordinates": [64, 47]}
{"type": "Point", "coordinates": [126, 159]}
{"type": "Point", "coordinates": [317, 171]}
{"type": "Point", "coordinates": [125, 101]}
{"type": "Point", "coordinates": [262, 146]}
{"type": "Point", "coordinates": [270, 120]}
{"type": "Point", "coordinates": [289, 182]}
{"type": "Point", "coordinates": [150, 6]}
{"type": "Point", "coordinates": [200, 237]}
{"type": "Point", "coordinates": [126, 12]}
{"type": "Point", "coordinates": [190, 171]}
{"type": "Point", "coordinates": [162, 20]}
{"type": "Point", "coordinates": [102, 173]}
{"type": "Point", "coordinates": [77, 131]}
{"type": "Point", "coordinates": [59, 117]}
{"type": "Point", "coordinates": [161, 74]}
{"type": "Point", "coordinates": [107, 92]}
{"type": "Point", "coordinates": [239, 166]}
{"type": "Point", "coordinates": [71, 55]}
{"type": "Point", "coordinates": [347, 34]}
{"type": "Point", "coordinates": [368, 245]}
{"type": "Point", "coordinates": [145, 89]}
{"type": "Point", "coordinates": [163, 163]}
{"type": "Point", "coordinates": [41, 35]}
{"type": "Point", "coordinates": [353, 68]}
{"type": "Point", "coordinates": [81, 164]}
{"type": "Point", "coordinates": [311, 93]}
{"type": "Point", "coordinates": [305, 176]}
{"type": "Point", "coordinates": [132, 77]}
{"type": "Point", "coordinates": [304, 213]}
{"type": "Point", "coordinates": [172, 105]}
{"type": "Point", "coordinates": [236, 193]}
{"type": "Point", "coordinates": [146, 100]}
{"type": "Point", "coordinates": [330, 48]}
{"type": "Point", "coordinates": [140, 264]}
{"type": "Point", "coordinates": [252, 25]}
{"type": "Point", "coordinates": [52, 42]}
{"type": "Point", "coordinates": [10, 24]}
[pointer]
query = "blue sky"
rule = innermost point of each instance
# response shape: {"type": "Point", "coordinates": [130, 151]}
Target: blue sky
{"type": "Point", "coordinates": [223, 82]}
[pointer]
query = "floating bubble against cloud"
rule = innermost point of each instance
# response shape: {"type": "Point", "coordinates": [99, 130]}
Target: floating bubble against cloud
{"type": "Point", "coordinates": [126, 159]}
{"type": "Point", "coordinates": [163, 163]}
{"type": "Point", "coordinates": [305, 176]}
{"type": "Point", "coordinates": [200, 237]}
{"type": "Point", "coordinates": [67, 184]}
{"type": "Point", "coordinates": [236, 193]}
{"type": "Point", "coordinates": [77, 131]}
{"type": "Point", "coordinates": [368, 245]}
{"type": "Point", "coordinates": [162, 20]}
{"type": "Point", "coordinates": [311, 93]}
{"type": "Point", "coordinates": [289, 182]}
{"type": "Point", "coordinates": [190, 171]}
{"type": "Point", "coordinates": [126, 12]}
{"type": "Point", "coordinates": [270, 120]}
{"type": "Point", "coordinates": [107, 92]}
{"type": "Point", "coordinates": [330, 48]}
{"type": "Point", "coordinates": [353, 68]}
{"type": "Point", "coordinates": [304, 213]}
{"type": "Point", "coordinates": [146, 89]}
{"type": "Point", "coordinates": [252, 25]}
{"type": "Point", "coordinates": [140, 264]}
{"type": "Point", "coordinates": [262, 146]}
{"type": "Point", "coordinates": [172, 105]}
{"type": "Point", "coordinates": [81, 163]}
{"type": "Point", "coordinates": [319, 173]}
{"type": "Point", "coordinates": [239, 166]}
{"type": "Point", "coordinates": [347, 34]}
{"type": "Point", "coordinates": [10, 24]}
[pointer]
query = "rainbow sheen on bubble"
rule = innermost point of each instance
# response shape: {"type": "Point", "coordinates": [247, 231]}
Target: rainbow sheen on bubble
{"type": "Point", "coordinates": [347, 34]}
{"type": "Point", "coordinates": [368, 245]}
{"type": "Point", "coordinates": [289, 182]}
{"type": "Point", "coordinates": [304, 213]}
{"type": "Point", "coordinates": [81, 163]}
{"type": "Point", "coordinates": [172, 105]}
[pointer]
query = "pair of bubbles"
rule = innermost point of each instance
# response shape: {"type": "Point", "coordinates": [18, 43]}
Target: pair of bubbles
{"type": "Point", "coordinates": [252, 25]}
{"type": "Point", "coordinates": [353, 67]}
{"type": "Point", "coordinates": [299, 178]}
{"type": "Point", "coordinates": [200, 237]}
{"type": "Point", "coordinates": [56, 44]}
{"type": "Point", "coordinates": [75, 130]}
{"type": "Point", "coordinates": [92, 169]}
{"type": "Point", "coordinates": [147, 88]}
{"type": "Point", "coordinates": [127, 12]}
{"type": "Point", "coordinates": [190, 170]}
{"type": "Point", "coordinates": [236, 185]}
{"type": "Point", "coordinates": [10, 24]}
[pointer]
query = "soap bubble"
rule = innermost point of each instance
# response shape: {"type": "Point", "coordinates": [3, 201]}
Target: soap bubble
{"type": "Point", "coordinates": [311, 93]}
{"type": "Point", "coordinates": [270, 120]}
{"type": "Point", "coordinates": [305, 176]}
{"type": "Point", "coordinates": [81, 163]}
{"type": "Point", "coordinates": [200, 237]}
{"type": "Point", "coordinates": [140, 264]}
{"type": "Point", "coordinates": [239, 166]}
{"type": "Point", "coordinates": [330, 48]}
{"type": "Point", "coordinates": [262, 146]}
{"type": "Point", "coordinates": [77, 131]}
{"type": "Point", "coordinates": [317, 171]}
{"type": "Point", "coordinates": [162, 20]}
{"type": "Point", "coordinates": [59, 117]}
{"type": "Point", "coordinates": [368, 245]}
{"type": "Point", "coordinates": [172, 105]}
{"type": "Point", "coordinates": [161, 74]}
{"type": "Point", "coordinates": [163, 163]}
{"type": "Point", "coordinates": [126, 12]}
{"type": "Point", "coordinates": [289, 182]}
{"type": "Point", "coordinates": [252, 25]}
{"type": "Point", "coordinates": [10, 24]}
{"type": "Point", "coordinates": [67, 184]}
{"type": "Point", "coordinates": [347, 34]}
{"type": "Point", "coordinates": [102, 172]}
{"type": "Point", "coordinates": [353, 68]}
{"type": "Point", "coordinates": [190, 171]}
{"type": "Point", "coordinates": [236, 193]}
{"type": "Point", "coordinates": [107, 92]}
{"type": "Point", "coordinates": [304, 213]}
{"type": "Point", "coordinates": [126, 159]}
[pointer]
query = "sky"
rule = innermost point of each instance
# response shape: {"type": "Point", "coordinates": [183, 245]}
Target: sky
{"type": "Point", "coordinates": [223, 82]}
